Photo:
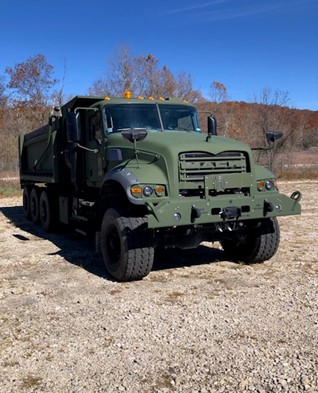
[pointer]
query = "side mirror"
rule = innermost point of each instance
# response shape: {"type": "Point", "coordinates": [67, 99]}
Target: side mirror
{"type": "Point", "coordinates": [272, 136]}
{"type": "Point", "coordinates": [212, 125]}
{"type": "Point", "coordinates": [73, 126]}
{"type": "Point", "coordinates": [134, 134]}
{"type": "Point", "coordinates": [55, 115]}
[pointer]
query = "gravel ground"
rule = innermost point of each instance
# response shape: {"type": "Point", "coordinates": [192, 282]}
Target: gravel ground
{"type": "Point", "coordinates": [197, 323]}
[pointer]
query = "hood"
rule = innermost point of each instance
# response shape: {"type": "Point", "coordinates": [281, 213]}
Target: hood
{"type": "Point", "coordinates": [160, 152]}
{"type": "Point", "coordinates": [178, 142]}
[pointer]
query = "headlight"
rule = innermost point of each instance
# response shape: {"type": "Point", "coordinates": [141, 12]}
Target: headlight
{"type": "Point", "coordinates": [147, 191]}
{"type": "Point", "coordinates": [269, 185]}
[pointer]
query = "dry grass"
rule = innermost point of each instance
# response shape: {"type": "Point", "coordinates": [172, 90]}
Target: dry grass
{"type": "Point", "coordinates": [9, 188]}
{"type": "Point", "coordinates": [300, 165]}
{"type": "Point", "coordinates": [174, 297]}
{"type": "Point", "coordinates": [9, 184]}
{"type": "Point", "coordinates": [31, 382]}
{"type": "Point", "coordinates": [298, 173]}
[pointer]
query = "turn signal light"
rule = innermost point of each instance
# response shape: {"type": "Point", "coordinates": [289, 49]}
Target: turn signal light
{"type": "Point", "coordinates": [261, 185]}
{"type": "Point", "coordinates": [160, 191]}
{"type": "Point", "coordinates": [136, 191]}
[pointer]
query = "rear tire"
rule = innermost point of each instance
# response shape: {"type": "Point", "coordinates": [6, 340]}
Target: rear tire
{"type": "Point", "coordinates": [26, 203]}
{"type": "Point", "coordinates": [259, 245]}
{"type": "Point", "coordinates": [34, 205]}
{"type": "Point", "coordinates": [46, 212]}
{"type": "Point", "coordinates": [127, 246]}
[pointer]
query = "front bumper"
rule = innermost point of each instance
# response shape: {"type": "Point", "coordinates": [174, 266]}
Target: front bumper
{"type": "Point", "coordinates": [191, 211]}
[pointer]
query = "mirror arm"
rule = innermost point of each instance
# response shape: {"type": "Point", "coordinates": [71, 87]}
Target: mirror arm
{"type": "Point", "coordinates": [86, 148]}
{"type": "Point", "coordinates": [83, 108]}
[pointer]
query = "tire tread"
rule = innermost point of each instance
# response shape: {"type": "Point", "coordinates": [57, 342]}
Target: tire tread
{"type": "Point", "coordinates": [137, 257]}
{"type": "Point", "coordinates": [259, 247]}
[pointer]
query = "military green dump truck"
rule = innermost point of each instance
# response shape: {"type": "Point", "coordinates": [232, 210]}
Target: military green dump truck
{"type": "Point", "coordinates": [142, 176]}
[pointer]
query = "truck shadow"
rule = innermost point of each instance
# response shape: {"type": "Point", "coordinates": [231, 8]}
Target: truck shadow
{"type": "Point", "coordinates": [80, 250]}
{"type": "Point", "coordinates": [73, 247]}
{"type": "Point", "coordinates": [176, 258]}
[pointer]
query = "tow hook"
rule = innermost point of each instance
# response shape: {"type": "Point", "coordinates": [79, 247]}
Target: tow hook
{"type": "Point", "coordinates": [296, 195]}
{"type": "Point", "coordinates": [195, 213]}
{"type": "Point", "coordinates": [231, 212]}
{"type": "Point", "coordinates": [268, 207]}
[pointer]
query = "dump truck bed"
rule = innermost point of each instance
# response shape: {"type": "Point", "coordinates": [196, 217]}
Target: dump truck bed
{"type": "Point", "coordinates": [39, 156]}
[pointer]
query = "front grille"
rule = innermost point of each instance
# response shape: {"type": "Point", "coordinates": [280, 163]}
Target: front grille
{"type": "Point", "coordinates": [194, 166]}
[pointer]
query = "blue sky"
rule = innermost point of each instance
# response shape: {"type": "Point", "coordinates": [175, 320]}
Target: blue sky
{"type": "Point", "coordinates": [248, 45]}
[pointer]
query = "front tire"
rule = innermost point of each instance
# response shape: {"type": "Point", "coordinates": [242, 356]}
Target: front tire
{"type": "Point", "coordinates": [259, 244]}
{"type": "Point", "coordinates": [127, 246]}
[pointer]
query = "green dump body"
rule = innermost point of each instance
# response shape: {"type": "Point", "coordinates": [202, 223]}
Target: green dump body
{"type": "Point", "coordinates": [39, 156]}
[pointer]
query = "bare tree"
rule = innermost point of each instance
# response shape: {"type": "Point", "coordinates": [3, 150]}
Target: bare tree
{"type": "Point", "coordinates": [168, 83]}
{"type": "Point", "coordinates": [185, 90]}
{"type": "Point", "coordinates": [3, 96]}
{"type": "Point", "coordinates": [31, 81]}
{"type": "Point", "coordinates": [58, 95]}
{"type": "Point", "coordinates": [147, 75]}
{"type": "Point", "coordinates": [30, 92]}
{"type": "Point", "coordinates": [221, 108]}
{"type": "Point", "coordinates": [143, 76]}
{"type": "Point", "coordinates": [218, 92]}
{"type": "Point", "coordinates": [119, 76]}
{"type": "Point", "coordinates": [271, 115]}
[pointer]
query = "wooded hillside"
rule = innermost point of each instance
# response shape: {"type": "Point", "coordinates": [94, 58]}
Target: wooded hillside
{"type": "Point", "coordinates": [28, 97]}
{"type": "Point", "coordinates": [240, 120]}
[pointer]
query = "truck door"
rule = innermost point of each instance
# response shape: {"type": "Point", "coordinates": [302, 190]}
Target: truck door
{"type": "Point", "coordinates": [94, 155]}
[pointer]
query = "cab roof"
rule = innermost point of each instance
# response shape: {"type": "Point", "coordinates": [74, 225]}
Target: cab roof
{"type": "Point", "coordinates": [90, 101]}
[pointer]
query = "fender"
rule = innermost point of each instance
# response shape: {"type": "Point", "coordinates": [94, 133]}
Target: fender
{"type": "Point", "coordinates": [126, 178]}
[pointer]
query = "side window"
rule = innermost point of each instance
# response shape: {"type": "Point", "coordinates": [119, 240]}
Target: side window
{"type": "Point", "coordinates": [109, 122]}
{"type": "Point", "coordinates": [114, 119]}
{"type": "Point", "coordinates": [95, 127]}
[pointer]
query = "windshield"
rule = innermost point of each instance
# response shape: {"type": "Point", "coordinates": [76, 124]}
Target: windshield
{"type": "Point", "coordinates": [152, 117]}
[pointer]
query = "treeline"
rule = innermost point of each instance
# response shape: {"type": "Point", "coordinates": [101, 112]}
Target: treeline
{"type": "Point", "coordinates": [29, 91]}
